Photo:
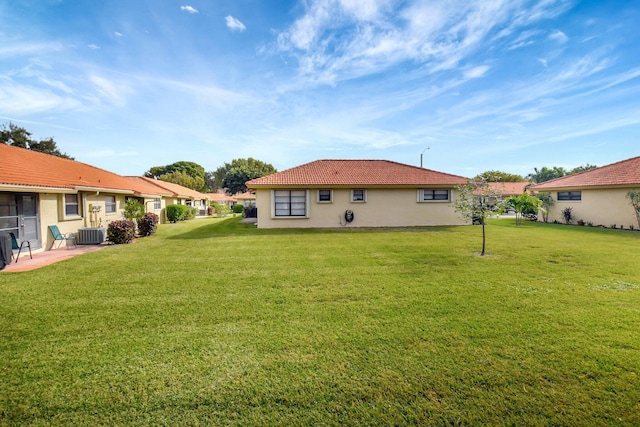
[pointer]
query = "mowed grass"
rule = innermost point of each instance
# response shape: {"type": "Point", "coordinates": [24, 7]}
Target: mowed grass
{"type": "Point", "coordinates": [212, 322]}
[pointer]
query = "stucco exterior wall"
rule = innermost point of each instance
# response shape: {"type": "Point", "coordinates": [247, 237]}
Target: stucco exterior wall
{"type": "Point", "coordinates": [598, 206]}
{"type": "Point", "coordinates": [383, 208]}
{"type": "Point", "coordinates": [52, 213]}
{"type": "Point", "coordinates": [49, 212]}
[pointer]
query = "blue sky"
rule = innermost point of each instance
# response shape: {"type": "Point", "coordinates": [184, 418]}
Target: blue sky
{"type": "Point", "coordinates": [494, 84]}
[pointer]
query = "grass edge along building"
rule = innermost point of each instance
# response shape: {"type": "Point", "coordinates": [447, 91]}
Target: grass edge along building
{"type": "Point", "coordinates": [356, 193]}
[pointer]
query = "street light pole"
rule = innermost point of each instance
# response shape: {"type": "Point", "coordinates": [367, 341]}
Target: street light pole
{"type": "Point", "coordinates": [422, 154]}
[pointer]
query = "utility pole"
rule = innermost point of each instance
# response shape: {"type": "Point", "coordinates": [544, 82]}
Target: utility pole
{"type": "Point", "coordinates": [422, 154]}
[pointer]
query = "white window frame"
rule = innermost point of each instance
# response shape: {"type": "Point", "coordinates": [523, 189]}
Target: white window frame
{"type": "Point", "coordinates": [66, 204]}
{"type": "Point", "coordinates": [108, 203]}
{"type": "Point", "coordinates": [364, 195]}
{"type": "Point", "coordinates": [570, 196]}
{"type": "Point", "coordinates": [324, 201]}
{"type": "Point", "coordinates": [424, 192]}
{"type": "Point", "coordinates": [274, 203]}
{"type": "Point", "coordinates": [157, 203]}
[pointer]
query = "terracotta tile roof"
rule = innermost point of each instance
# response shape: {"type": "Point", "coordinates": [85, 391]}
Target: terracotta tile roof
{"type": "Point", "coordinates": [510, 188]}
{"type": "Point", "coordinates": [26, 168]}
{"type": "Point", "coordinates": [245, 196]}
{"type": "Point", "coordinates": [625, 173]}
{"type": "Point", "coordinates": [356, 173]}
{"type": "Point", "coordinates": [149, 187]}
{"type": "Point", "coordinates": [220, 197]}
{"type": "Point", "coordinates": [174, 189]}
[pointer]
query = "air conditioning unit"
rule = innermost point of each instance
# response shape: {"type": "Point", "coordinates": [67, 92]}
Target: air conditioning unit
{"type": "Point", "coordinates": [91, 236]}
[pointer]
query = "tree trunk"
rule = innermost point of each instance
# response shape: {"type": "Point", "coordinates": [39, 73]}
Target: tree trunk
{"type": "Point", "coordinates": [483, 238]}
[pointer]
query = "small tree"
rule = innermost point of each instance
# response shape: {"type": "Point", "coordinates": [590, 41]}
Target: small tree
{"type": "Point", "coordinates": [546, 202]}
{"type": "Point", "coordinates": [221, 210]}
{"type": "Point", "coordinates": [523, 203]}
{"type": "Point", "coordinates": [634, 200]}
{"type": "Point", "coordinates": [475, 202]}
{"type": "Point", "coordinates": [567, 214]}
{"type": "Point", "coordinates": [133, 210]}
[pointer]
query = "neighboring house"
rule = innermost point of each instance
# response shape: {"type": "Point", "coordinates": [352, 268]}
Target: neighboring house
{"type": "Point", "coordinates": [372, 193]}
{"type": "Point", "coordinates": [597, 195]}
{"type": "Point", "coordinates": [246, 199]}
{"type": "Point", "coordinates": [221, 198]}
{"type": "Point", "coordinates": [508, 189]}
{"type": "Point", "coordinates": [38, 190]}
{"type": "Point", "coordinates": [178, 195]}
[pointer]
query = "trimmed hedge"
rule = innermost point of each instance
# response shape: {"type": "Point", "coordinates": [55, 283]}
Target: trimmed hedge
{"type": "Point", "coordinates": [176, 213]}
{"type": "Point", "coordinates": [121, 231]}
{"type": "Point", "coordinates": [238, 208]}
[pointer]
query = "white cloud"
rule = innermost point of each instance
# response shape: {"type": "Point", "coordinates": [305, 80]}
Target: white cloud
{"type": "Point", "coordinates": [93, 46]}
{"type": "Point", "coordinates": [364, 10]}
{"type": "Point", "coordinates": [476, 72]}
{"type": "Point", "coordinates": [21, 100]}
{"type": "Point", "coordinates": [524, 39]}
{"type": "Point", "coordinates": [24, 49]}
{"type": "Point", "coordinates": [117, 34]}
{"type": "Point", "coordinates": [336, 40]}
{"type": "Point", "coordinates": [113, 92]}
{"type": "Point", "coordinates": [234, 24]}
{"type": "Point", "coordinates": [189, 9]}
{"type": "Point", "coordinates": [559, 36]}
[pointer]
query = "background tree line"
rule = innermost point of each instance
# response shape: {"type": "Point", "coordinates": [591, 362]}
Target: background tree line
{"type": "Point", "coordinates": [18, 136]}
{"type": "Point", "coordinates": [537, 176]}
{"type": "Point", "coordinates": [232, 177]}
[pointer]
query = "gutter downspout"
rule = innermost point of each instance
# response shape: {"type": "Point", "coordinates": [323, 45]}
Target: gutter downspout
{"type": "Point", "coordinates": [85, 209]}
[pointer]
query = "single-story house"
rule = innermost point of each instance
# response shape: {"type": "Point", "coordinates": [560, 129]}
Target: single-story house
{"type": "Point", "coordinates": [178, 195]}
{"type": "Point", "coordinates": [246, 199]}
{"type": "Point", "coordinates": [596, 196]}
{"type": "Point", "coordinates": [505, 190]}
{"type": "Point", "coordinates": [38, 190]}
{"type": "Point", "coordinates": [356, 193]}
{"type": "Point", "coordinates": [221, 198]}
{"type": "Point", "coordinates": [508, 189]}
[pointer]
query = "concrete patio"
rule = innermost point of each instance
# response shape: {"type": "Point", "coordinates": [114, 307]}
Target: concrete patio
{"type": "Point", "coordinates": [45, 258]}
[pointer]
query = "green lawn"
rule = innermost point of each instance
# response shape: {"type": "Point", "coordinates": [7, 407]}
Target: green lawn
{"type": "Point", "coordinates": [212, 322]}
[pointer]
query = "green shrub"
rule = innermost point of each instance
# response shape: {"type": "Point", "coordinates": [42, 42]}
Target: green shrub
{"type": "Point", "coordinates": [148, 224]}
{"type": "Point", "coordinates": [238, 208]}
{"type": "Point", "coordinates": [121, 231]}
{"type": "Point", "coordinates": [190, 212]}
{"type": "Point", "coordinates": [176, 213]}
{"type": "Point", "coordinates": [567, 214]}
{"type": "Point", "coordinates": [221, 210]}
{"type": "Point", "coordinates": [133, 210]}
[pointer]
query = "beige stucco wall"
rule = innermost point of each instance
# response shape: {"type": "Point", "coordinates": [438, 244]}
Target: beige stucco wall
{"type": "Point", "coordinates": [51, 212]}
{"type": "Point", "coordinates": [383, 208]}
{"type": "Point", "coordinates": [599, 206]}
{"type": "Point", "coordinates": [148, 207]}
